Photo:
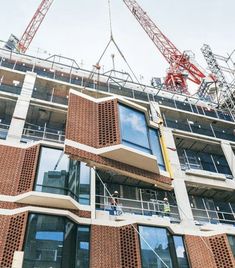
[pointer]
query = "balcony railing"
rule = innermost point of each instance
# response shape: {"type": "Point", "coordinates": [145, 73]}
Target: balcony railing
{"type": "Point", "coordinates": [209, 130]}
{"type": "Point", "coordinates": [138, 207]}
{"type": "Point", "coordinates": [108, 83]}
{"type": "Point", "coordinates": [203, 216]}
{"type": "Point", "coordinates": [3, 131]}
{"type": "Point", "coordinates": [48, 135]}
{"type": "Point", "coordinates": [10, 88]}
{"type": "Point", "coordinates": [188, 162]}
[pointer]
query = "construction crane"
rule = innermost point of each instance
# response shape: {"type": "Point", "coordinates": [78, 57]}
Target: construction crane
{"type": "Point", "coordinates": [23, 43]}
{"type": "Point", "coordinates": [181, 67]}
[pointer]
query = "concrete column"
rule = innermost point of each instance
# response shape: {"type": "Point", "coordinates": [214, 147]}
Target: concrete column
{"type": "Point", "coordinates": [229, 155]}
{"type": "Point", "coordinates": [180, 189]}
{"type": "Point", "coordinates": [93, 192]}
{"type": "Point", "coordinates": [18, 259]}
{"type": "Point", "coordinates": [21, 108]}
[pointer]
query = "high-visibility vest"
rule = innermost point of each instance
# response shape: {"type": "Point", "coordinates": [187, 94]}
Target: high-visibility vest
{"type": "Point", "coordinates": [167, 207]}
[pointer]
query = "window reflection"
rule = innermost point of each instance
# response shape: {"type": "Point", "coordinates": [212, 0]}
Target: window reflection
{"type": "Point", "coordinates": [180, 252]}
{"type": "Point", "coordinates": [136, 134]}
{"type": "Point", "coordinates": [55, 242]}
{"type": "Point", "coordinates": [60, 175]}
{"type": "Point", "coordinates": [170, 250]}
{"type": "Point", "coordinates": [231, 239]}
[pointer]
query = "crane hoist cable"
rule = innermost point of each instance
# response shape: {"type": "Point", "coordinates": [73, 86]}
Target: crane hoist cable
{"type": "Point", "coordinates": [111, 40]}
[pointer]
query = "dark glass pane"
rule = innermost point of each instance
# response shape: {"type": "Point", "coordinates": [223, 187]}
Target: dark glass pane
{"type": "Point", "coordinates": [52, 171]}
{"type": "Point", "coordinates": [134, 128]}
{"type": "Point", "coordinates": [231, 239]}
{"type": "Point", "coordinates": [44, 242]}
{"type": "Point", "coordinates": [56, 242]}
{"type": "Point", "coordinates": [180, 252]}
{"type": "Point", "coordinates": [157, 239]}
{"type": "Point", "coordinates": [84, 193]}
{"type": "Point", "coordinates": [156, 147]}
{"type": "Point", "coordinates": [222, 164]}
{"type": "Point", "coordinates": [83, 247]}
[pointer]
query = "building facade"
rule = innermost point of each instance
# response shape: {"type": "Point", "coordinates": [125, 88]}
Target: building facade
{"type": "Point", "coordinates": [97, 171]}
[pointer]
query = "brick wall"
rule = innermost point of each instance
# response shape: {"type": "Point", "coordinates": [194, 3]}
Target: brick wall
{"type": "Point", "coordinates": [12, 230]}
{"type": "Point", "coordinates": [93, 124]}
{"type": "Point", "coordinates": [18, 168]}
{"type": "Point", "coordinates": [113, 247]}
{"type": "Point", "coordinates": [209, 252]}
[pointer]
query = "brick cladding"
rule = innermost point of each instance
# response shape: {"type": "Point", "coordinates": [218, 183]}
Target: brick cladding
{"type": "Point", "coordinates": [93, 124]}
{"type": "Point", "coordinates": [12, 229]}
{"type": "Point", "coordinates": [109, 163]}
{"type": "Point", "coordinates": [114, 247]}
{"type": "Point", "coordinates": [18, 168]}
{"type": "Point", "coordinates": [209, 252]}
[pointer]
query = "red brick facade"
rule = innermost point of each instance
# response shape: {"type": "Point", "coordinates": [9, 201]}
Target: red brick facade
{"type": "Point", "coordinates": [209, 252]}
{"type": "Point", "coordinates": [97, 125]}
{"type": "Point", "coordinates": [18, 168]}
{"type": "Point", "coordinates": [113, 247]}
{"type": "Point", "coordinates": [93, 124]}
{"type": "Point", "coordinates": [12, 229]}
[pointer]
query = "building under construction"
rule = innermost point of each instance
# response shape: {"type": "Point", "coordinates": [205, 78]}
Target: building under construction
{"type": "Point", "coordinates": [103, 172]}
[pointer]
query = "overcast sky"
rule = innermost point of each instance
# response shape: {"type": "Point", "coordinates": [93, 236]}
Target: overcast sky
{"type": "Point", "coordinates": [80, 29]}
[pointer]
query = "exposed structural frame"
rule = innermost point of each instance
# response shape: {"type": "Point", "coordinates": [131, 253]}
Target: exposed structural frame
{"type": "Point", "coordinates": [34, 25]}
{"type": "Point", "coordinates": [225, 92]}
{"type": "Point", "coordinates": [179, 62]}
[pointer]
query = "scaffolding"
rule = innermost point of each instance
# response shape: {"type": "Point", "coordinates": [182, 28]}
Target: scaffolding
{"type": "Point", "coordinates": [223, 70]}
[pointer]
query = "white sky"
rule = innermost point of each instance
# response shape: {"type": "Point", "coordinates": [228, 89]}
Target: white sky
{"type": "Point", "coordinates": [80, 29]}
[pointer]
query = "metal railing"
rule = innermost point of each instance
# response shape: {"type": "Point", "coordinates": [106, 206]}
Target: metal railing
{"type": "Point", "coordinates": [33, 134]}
{"type": "Point", "coordinates": [10, 88]}
{"type": "Point", "coordinates": [203, 216]}
{"type": "Point", "coordinates": [138, 207]}
{"type": "Point", "coordinates": [108, 83]}
{"type": "Point", "coordinates": [4, 131]}
{"type": "Point", "coordinates": [209, 130]}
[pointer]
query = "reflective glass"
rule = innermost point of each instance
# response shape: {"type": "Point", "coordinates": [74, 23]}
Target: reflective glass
{"type": "Point", "coordinates": [134, 130]}
{"type": "Point", "coordinates": [231, 239]}
{"type": "Point", "coordinates": [157, 239]}
{"type": "Point", "coordinates": [55, 242]}
{"type": "Point", "coordinates": [180, 252]}
{"type": "Point", "coordinates": [156, 147]}
{"type": "Point", "coordinates": [59, 175]}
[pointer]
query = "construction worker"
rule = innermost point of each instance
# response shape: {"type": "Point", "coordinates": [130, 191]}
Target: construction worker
{"type": "Point", "coordinates": [166, 207]}
{"type": "Point", "coordinates": [114, 202]}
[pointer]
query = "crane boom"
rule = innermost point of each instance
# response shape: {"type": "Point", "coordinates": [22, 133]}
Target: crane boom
{"type": "Point", "coordinates": [34, 25]}
{"type": "Point", "coordinates": [178, 61]}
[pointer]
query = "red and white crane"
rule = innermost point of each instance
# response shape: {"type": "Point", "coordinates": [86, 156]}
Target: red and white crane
{"type": "Point", "coordinates": [34, 25]}
{"type": "Point", "coordinates": [22, 44]}
{"type": "Point", "coordinates": [181, 68]}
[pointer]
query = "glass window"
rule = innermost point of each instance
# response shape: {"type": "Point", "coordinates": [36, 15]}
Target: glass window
{"type": "Point", "coordinates": [52, 171]}
{"type": "Point", "coordinates": [180, 251]}
{"type": "Point", "coordinates": [136, 134]}
{"type": "Point", "coordinates": [134, 130]}
{"type": "Point", "coordinates": [156, 147]}
{"type": "Point", "coordinates": [55, 242]}
{"type": "Point", "coordinates": [60, 175]}
{"type": "Point", "coordinates": [231, 239]}
{"type": "Point", "coordinates": [157, 239]}
{"type": "Point", "coordinates": [170, 250]}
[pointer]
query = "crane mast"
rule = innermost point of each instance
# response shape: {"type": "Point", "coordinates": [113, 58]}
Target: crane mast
{"type": "Point", "coordinates": [179, 62]}
{"type": "Point", "coordinates": [34, 25]}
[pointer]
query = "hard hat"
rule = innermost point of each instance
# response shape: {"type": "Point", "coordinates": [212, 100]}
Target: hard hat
{"type": "Point", "coordinates": [116, 192]}
{"type": "Point", "coordinates": [165, 199]}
